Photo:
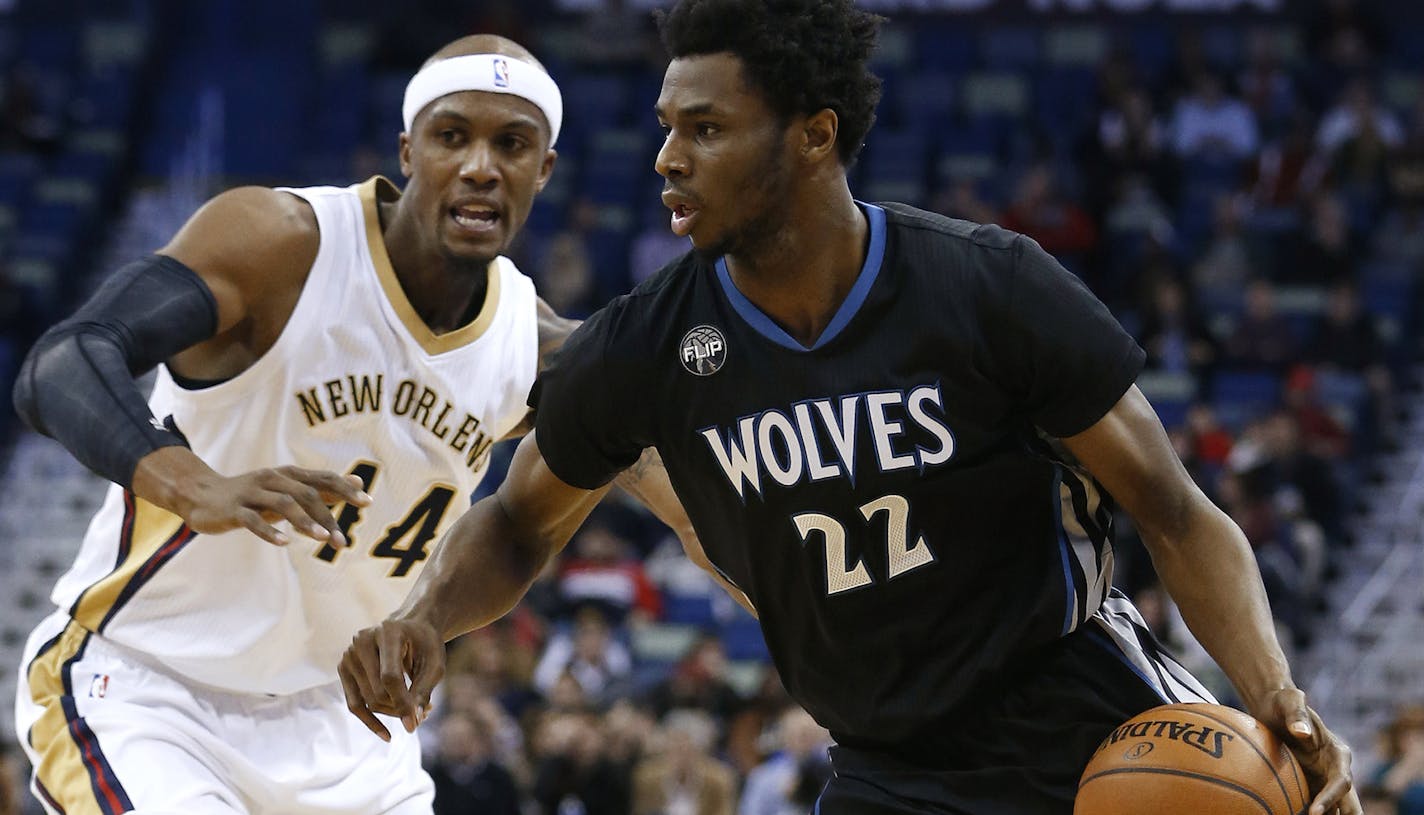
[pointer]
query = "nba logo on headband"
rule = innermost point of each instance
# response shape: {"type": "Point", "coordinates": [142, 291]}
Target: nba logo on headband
{"type": "Point", "coordinates": [492, 73]}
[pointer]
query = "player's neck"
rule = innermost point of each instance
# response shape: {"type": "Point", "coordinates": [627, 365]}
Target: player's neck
{"type": "Point", "coordinates": [800, 275]}
{"type": "Point", "coordinates": [446, 293]}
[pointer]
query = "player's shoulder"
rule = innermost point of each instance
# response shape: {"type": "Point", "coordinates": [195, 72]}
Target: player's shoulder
{"type": "Point", "coordinates": [635, 321]}
{"type": "Point", "coordinates": [918, 226]}
{"type": "Point", "coordinates": [249, 232]}
{"type": "Point", "coordinates": [978, 256]}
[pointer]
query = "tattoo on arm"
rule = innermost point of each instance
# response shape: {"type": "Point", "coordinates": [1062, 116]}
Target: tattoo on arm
{"type": "Point", "coordinates": [645, 465]}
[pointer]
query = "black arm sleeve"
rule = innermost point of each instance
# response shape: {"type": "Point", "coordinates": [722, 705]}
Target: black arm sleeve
{"type": "Point", "coordinates": [77, 383]}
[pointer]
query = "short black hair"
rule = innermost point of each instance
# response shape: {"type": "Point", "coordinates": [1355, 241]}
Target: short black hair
{"type": "Point", "coordinates": [805, 55]}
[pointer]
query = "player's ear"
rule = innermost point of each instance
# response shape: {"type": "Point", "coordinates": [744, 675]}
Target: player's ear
{"type": "Point", "coordinates": [405, 164]}
{"type": "Point", "coordinates": [818, 135]}
{"type": "Point", "coordinates": [547, 170]}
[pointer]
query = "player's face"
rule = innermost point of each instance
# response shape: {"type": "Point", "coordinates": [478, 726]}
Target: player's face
{"type": "Point", "coordinates": [725, 155]}
{"type": "Point", "coordinates": [474, 162]}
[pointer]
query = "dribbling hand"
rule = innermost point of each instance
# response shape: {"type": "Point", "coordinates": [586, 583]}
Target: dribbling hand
{"type": "Point", "coordinates": [375, 668]}
{"type": "Point", "coordinates": [1322, 755]}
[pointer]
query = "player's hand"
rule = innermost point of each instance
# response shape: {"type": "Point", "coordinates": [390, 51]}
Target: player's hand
{"type": "Point", "coordinates": [1323, 756]}
{"type": "Point", "coordinates": [375, 668]}
{"type": "Point", "coordinates": [210, 503]}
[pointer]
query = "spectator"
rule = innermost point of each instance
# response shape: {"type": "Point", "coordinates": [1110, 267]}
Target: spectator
{"type": "Point", "coordinates": [565, 275]}
{"type": "Point", "coordinates": [627, 731]}
{"type": "Point", "coordinates": [1228, 260]}
{"type": "Point", "coordinates": [1400, 779]}
{"type": "Point", "coordinates": [1060, 226]}
{"type": "Point", "coordinates": [1288, 168]}
{"type": "Point", "coordinates": [1400, 238]}
{"type": "Point", "coordinates": [1357, 112]}
{"type": "Point", "coordinates": [654, 246]}
{"type": "Point", "coordinates": [602, 573]}
{"type": "Point", "coordinates": [1327, 254]}
{"type": "Point", "coordinates": [467, 778]}
{"type": "Point", "coordinates": [1262, 339]}
{"type": "Point", "coordinates": [572, 774]}
{"type": "Point", "coordinates": [1209, 123]}
{"type": "Point", "coordinates": [698, 681]}
{"type": "Point", "coordinates": [1348, 345]}
{"type": "Point", "coordinates": [1345, 35]}
{"type": "Point", "coordinates": [591, 655]}
{"type": "Point", "coordinates": [1304, 482]}
{"type": "Point", "coordinates": [1131, 140]}
{"type": "Point", "coordinates": [1320, 432]}
{"type": "Point", "coordinates": [750, 733]}
{"type": "Point", "coordinates": [1266, 86]}
{"type": "Point", "coordinates": [684, 778]}
{"type": "Point", "coordinates": [9, 790]}
{"type": "Point", "coordinates": [499, 663]}
{"type": "Point", "coordinates": [1173, 335]}
{"type": "Point", "coordinates": [1242, 499]}
{"type": "Point", "coordinates": [789, 782]}
{"type": "Point", "coordinates": [961, 199]}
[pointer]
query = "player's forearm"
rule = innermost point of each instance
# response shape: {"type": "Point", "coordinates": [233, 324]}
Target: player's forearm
{"type": "Point", "coordinates": [1208, 568]}
{"type": "Point", "coordinates": [481, 569]}
{"type": "Point", "coordinates": [648, 482]}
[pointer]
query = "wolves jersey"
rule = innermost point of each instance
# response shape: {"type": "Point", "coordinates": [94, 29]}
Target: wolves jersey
{"type": "Point", "coordinates": [356, 383]}
{"type": "Point", "coordinates": [885, 497]}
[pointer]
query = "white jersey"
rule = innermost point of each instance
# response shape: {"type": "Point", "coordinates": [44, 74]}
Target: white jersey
{"type": "Point", "coordinates": [356, 383]}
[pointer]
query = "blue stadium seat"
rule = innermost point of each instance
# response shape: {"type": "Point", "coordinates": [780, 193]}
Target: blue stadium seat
{"type": "Point", "coordinates": [946, 46]}
{"type": "Point", "coordinates": [743, 639]}
{"type": "Point", "coordinates": [1152, 46]}
{"type": "Point", "coordinates": [1011, 48]}
{"type": "Point", "coordinates": [1392, 302]}
{"type": "Point", "coordinates": [924, 101]}
{"type": "Point", "coordinates": [1064, 100]}
{"type": "Point", "coordinates": [691, 609]}
{"type": "Point", "coordinates": [597, 101]}
{"type": "Point", "coordinates": [1239, 396]}
{"type": "Point", "coordinates": [264, 101]}
{"type": "Point", "coordinates": [1223, 46]}
{"type": "Point", "coordinates": [386, 91]}
{"type": "Point", "coordinates": [896, 155]}
{"type": "Point", "coordinates": [18, 172]}
{"type": "Point", "coordinates": [50, 47]}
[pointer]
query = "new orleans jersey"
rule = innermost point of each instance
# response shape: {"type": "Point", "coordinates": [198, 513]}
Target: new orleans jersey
{"type": "Point", "coordinates": [356, 383]}
{"type": "Point", "coordinates": [886, 497]}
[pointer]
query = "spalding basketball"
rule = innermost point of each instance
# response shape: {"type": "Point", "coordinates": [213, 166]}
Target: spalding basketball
{"type": "Point", "coordinates": [1192, 758]}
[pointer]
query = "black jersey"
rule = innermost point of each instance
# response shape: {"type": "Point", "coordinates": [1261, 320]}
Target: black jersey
{"type": "Point", "coordinates": [884, 497]}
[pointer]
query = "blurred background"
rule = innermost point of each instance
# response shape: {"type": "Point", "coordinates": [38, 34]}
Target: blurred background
{"type": "Point", "coordinates": [1242, 181]}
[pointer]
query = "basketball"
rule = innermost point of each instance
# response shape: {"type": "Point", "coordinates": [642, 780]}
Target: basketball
{"type": "Point", "coordinates": [1192, 758]}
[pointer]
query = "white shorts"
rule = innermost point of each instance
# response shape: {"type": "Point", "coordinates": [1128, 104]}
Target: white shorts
{"type": "Point", "coordinates": [107, 733]}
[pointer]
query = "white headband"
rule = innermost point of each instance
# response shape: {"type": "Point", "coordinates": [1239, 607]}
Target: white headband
{"type": "Point", "coordinates": [493, 73]}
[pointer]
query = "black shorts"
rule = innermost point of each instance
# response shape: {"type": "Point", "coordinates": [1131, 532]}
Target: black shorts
{"type": "Point", "coordinates": [1020, 748]}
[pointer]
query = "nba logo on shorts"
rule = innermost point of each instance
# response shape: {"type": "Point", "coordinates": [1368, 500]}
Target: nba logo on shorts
{"type": "Point", "coordinates": [501, 73]}
{"type": "Point", "coordinates": [703, 350]}
{"type": "Point", "coordinates": [99, 686]}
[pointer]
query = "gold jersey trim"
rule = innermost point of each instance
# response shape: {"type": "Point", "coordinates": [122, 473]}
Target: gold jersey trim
{"type": "Point", "coordinates": [379, 188]}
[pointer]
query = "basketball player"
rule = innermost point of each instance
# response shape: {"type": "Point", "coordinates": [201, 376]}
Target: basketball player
{"type": "Point", "coordinates": [356, 347]}
{"type": "Point", "coordinates": [896, 432]}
